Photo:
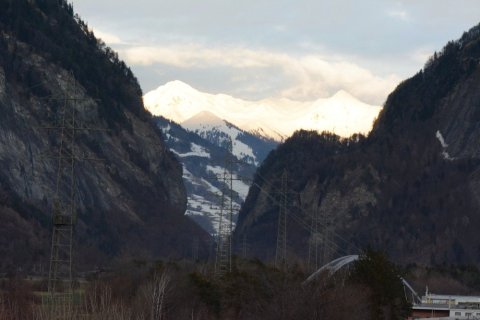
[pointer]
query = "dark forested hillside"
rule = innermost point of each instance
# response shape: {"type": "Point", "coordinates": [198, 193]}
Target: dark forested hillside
{"type": "Point", "coordinates": [410, 188]}
{"type": "Point", "coordinates": [131, 203]}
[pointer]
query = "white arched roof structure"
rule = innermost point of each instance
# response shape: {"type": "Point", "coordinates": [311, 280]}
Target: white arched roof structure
{"type": "Point", "coordinates": [337, 264]}
{"type": "Point", "coordinates": [333, 266]}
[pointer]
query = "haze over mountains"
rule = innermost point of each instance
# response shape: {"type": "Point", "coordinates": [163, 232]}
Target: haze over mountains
{"type": "Point", "coordinates": [342, 113]}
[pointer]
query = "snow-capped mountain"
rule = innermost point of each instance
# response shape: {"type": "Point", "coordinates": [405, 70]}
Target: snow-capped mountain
{"type": "Point", "coordinates": [245, 146]}
{"type": "Point", "coordinates": [203, 164]}
{"type": "Point", "coordinates": [204, 124]}
{"type": "Point", "coordinates": [342, 113]}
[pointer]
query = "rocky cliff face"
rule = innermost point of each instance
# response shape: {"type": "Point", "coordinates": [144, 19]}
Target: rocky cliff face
{"type": "Point", "coordinates": [129, 204]}
{"type": "Point", "coordinates": [410, 187]}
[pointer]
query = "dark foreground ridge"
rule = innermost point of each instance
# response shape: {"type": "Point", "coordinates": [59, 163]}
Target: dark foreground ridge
{"type": "Point", "coordinates": [410, 188]}
{"type": "Point", "coordinates": [129, 204]}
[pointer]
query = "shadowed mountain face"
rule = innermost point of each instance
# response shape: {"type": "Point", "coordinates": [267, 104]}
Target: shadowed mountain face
{"type": "Point", "coordinates": [130, 204]}
{"type": "Point", "coordinates": [410, 188]}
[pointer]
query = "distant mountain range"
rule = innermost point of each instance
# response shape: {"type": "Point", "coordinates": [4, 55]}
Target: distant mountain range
{"type": "Point", "coordinates": [277, 119]}
{"type": "Point", "coordinates": [199, 126]}
{"type": "Point", "coordinates": [205, 161]}
{"type": "Point", "coordinates": [246, 146]}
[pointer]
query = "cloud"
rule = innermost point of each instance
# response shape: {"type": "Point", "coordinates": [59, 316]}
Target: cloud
{"type": "Point", "coordinates": [304, 77]}
{"type": "Point", "coordinates": [198, 56]}
{"type": "Point", "coordinates": [399, 14]}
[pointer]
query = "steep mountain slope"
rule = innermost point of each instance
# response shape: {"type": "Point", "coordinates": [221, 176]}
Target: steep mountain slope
{"type": "Point", "coordinates": [131, 204]}
{"type": "Point", "coordinates": [274, 119]}
{"type": "Point", "coordinates": [204, 164]}
{"type": "Point", "coordinates": [410, 187]}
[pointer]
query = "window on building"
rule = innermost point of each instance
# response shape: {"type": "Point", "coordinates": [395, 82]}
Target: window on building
{"type": "Point", "coordinates": [458, 313]}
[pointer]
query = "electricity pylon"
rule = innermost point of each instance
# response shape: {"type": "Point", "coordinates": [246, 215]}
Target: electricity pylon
{"type": "Point", "coordinates": [281, 251]}
{"type": "Point", "coordinates": [313, 243]}
{"type": "Point", "coordinates": [244, 246]}
{"type": "Point", "coordinates": [60, 276]}
{"type": "Point", "coordinates": [195, 245]}
{"type": "Point", "coordinates": [223, 259]}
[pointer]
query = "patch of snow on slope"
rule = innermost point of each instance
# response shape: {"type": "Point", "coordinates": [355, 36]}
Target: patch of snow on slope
{"type": "Point", "coordinates": [238, 185]}
{"type": "Point", "coordinates": [195, 151]}
{"type": "Point", "coordinates": [205, 123]}
{"type": "Point", "coordinates": [216, 170]}
{"type": "Point", "coordinates": [241, 188]}
{"type": "Point", "coordinates": [199, 151]}
{"type": "Point", "coordinates": [444, 145]}
{"type": "Point", "coordinates": [441, 139]}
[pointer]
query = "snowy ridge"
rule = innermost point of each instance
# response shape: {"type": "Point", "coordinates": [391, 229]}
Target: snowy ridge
{"type": "Point", "coordinates": [220, 132]}
{"type": "Point", "coordinates": [342, 113]}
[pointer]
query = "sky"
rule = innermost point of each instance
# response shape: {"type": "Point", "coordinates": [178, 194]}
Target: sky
{"type": "Point", "coordinates": [263, 49]}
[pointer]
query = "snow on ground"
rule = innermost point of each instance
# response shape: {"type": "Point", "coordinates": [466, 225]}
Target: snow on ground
{"type": "Point", "coordinates": [187, 174]}
{"type": "Point", "coordinates": [210, 187]}
{"type": "Point", "coordinates": [199, 150]}
{"type": "Point", "coordinates": [217, 170]}
{"type": "Point", "coordinates": [440, 138]}
{"type": "Point", "coordinates": [200, 206]}
{"type": "Point", "coordinates": [239, 149]}
{"type": "Point", "coordinates": [238, 185]}
{"type": "Point", "coordinates": [205, 122]}
{"type": "Point", "coordinates": [195, 151]}
{"type": "Point", "coordinates": [241, 188]}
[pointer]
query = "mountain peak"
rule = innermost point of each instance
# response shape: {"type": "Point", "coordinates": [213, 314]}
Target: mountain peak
{"type": "Point", "coordinates": [343, 95]}
{"type": "Point", "coordinates": [177, 85]}
{"type": "Point", "coordinates": [203, 117]}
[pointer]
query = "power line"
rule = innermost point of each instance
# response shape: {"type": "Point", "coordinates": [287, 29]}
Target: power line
{"type": "Point", "coordinates": [64, 216]}
{"type": "Point", "coordinates": [281, 250]}
{"type": "Point", "coordinates": [330, 242]}
{"type": "Point", "coordinates": [223, 258]}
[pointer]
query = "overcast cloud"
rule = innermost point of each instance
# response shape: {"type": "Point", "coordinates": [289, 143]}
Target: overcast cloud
{"type": "Point", "coordinates": [296, 49]}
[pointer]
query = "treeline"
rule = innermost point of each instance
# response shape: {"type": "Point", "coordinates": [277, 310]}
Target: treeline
{"type": "Point", "coordinates": [253, 290]}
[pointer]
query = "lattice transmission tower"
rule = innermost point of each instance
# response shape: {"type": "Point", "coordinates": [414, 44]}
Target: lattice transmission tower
{"type": "Point", "coordinates": [314, 241]}
{"type": "Point", "coordinates": [281, 251]}
{"type": "Point", "coordinates": [223, 259]}
{"type": "Point", "coordinates": [60, 276]}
